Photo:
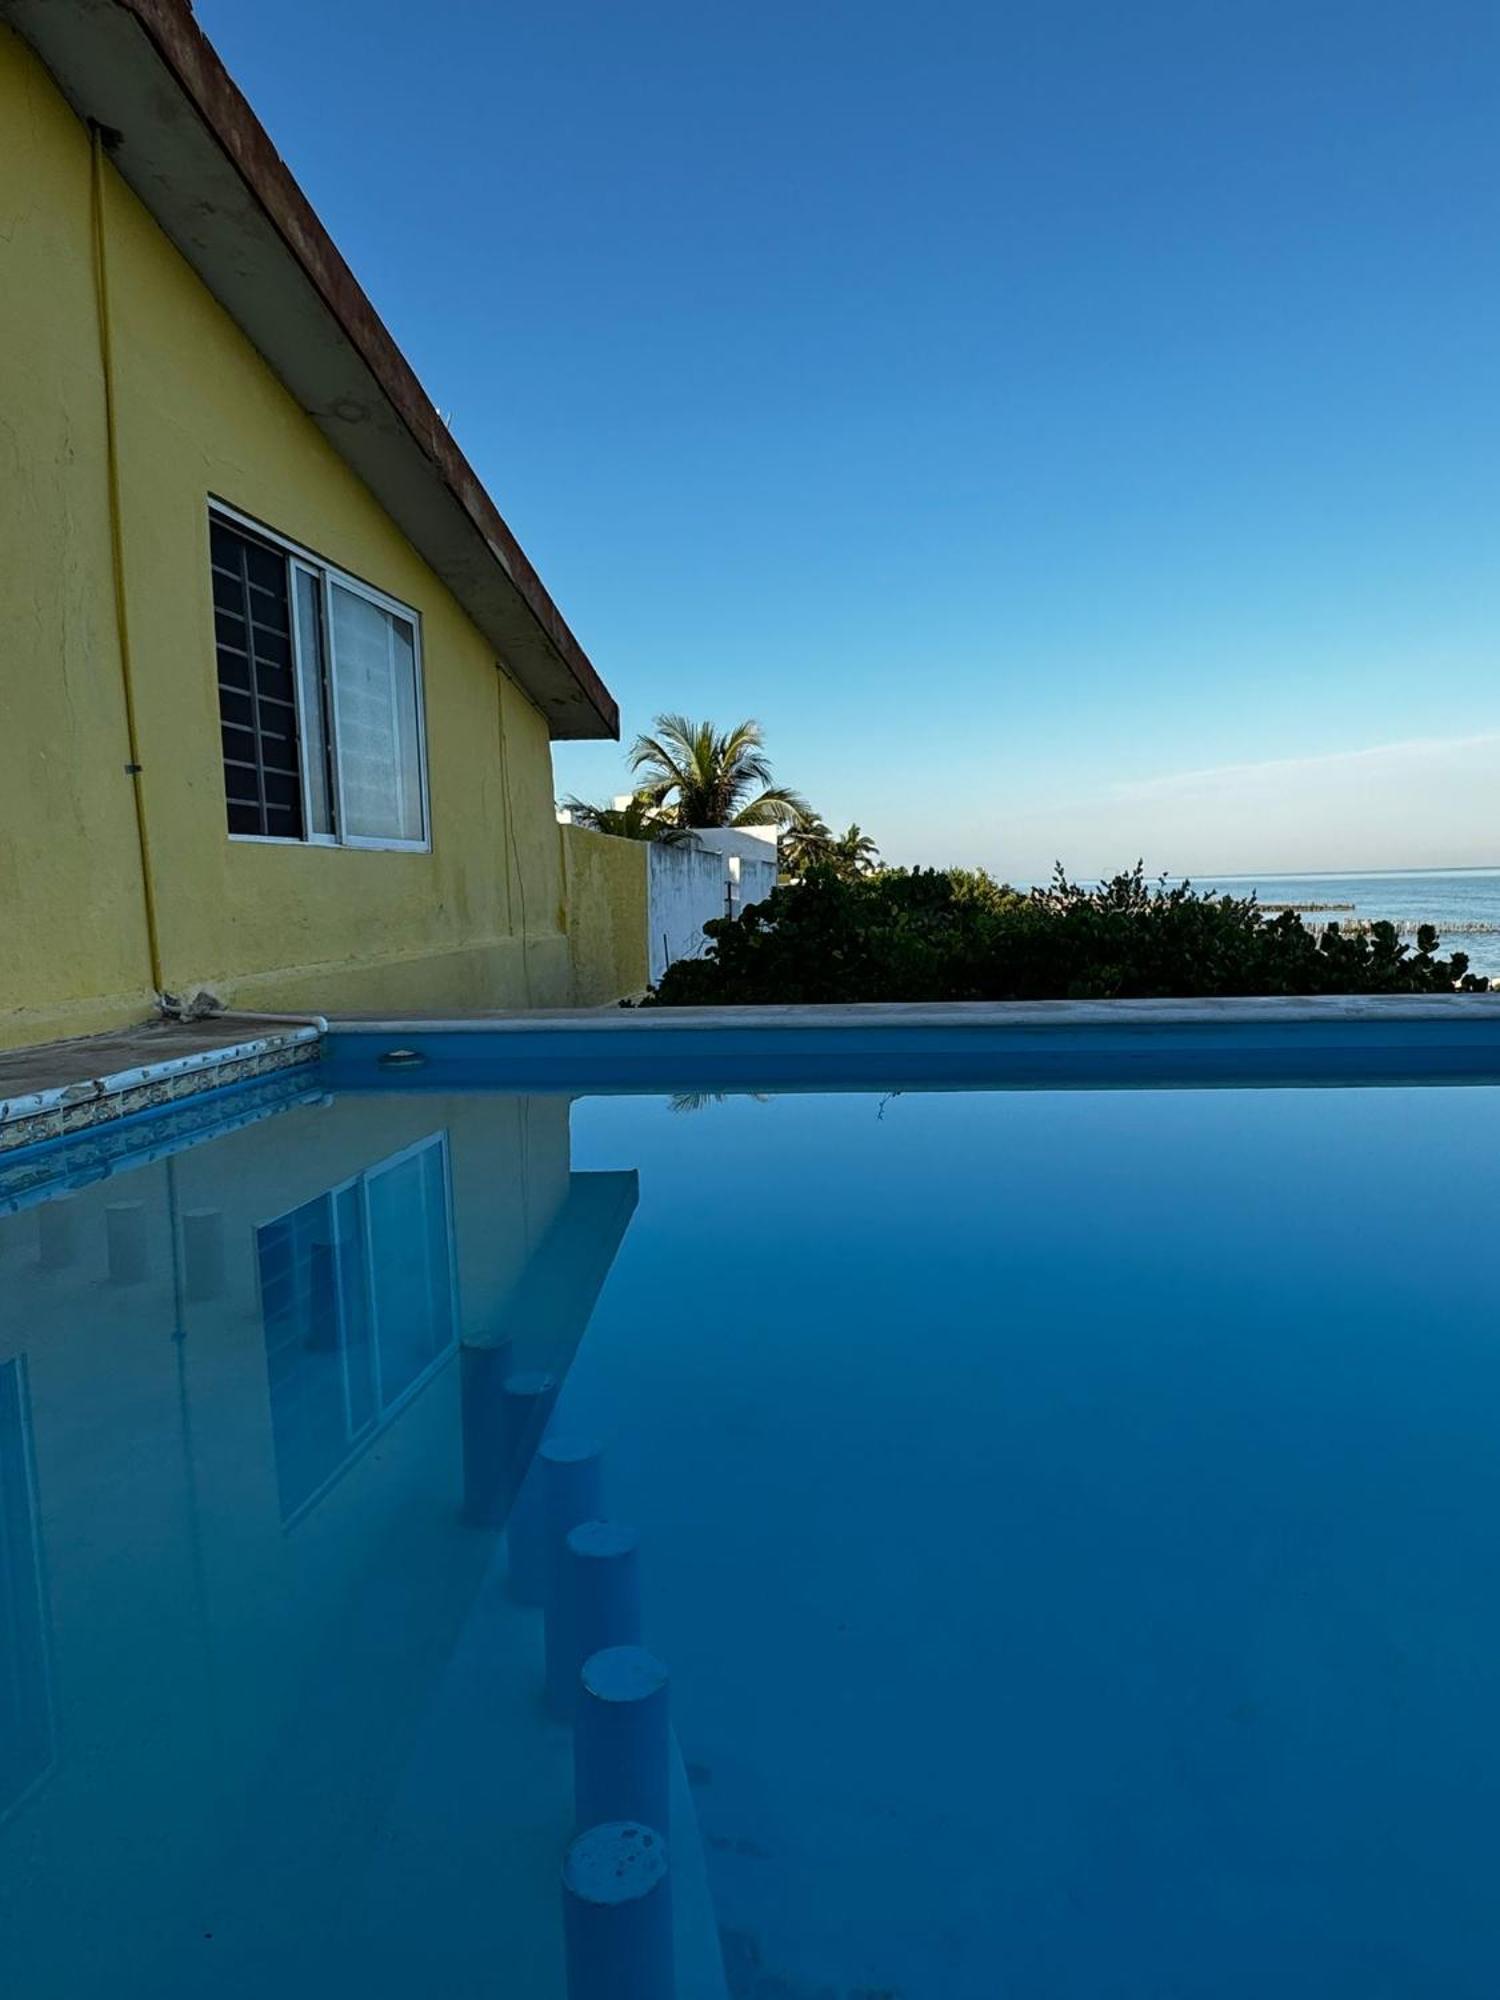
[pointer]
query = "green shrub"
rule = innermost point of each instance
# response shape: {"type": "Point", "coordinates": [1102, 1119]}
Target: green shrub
{"type": "Point", "coordinates": [934, 934]}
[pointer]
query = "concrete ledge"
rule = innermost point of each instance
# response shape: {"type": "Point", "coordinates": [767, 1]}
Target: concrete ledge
{"type": "Point", "coordinates": [60, 1088]}
{"type": "Point", "coordinates": [1274, 1011]}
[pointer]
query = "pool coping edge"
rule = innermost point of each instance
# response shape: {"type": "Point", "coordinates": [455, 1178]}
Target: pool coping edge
{"type": "Point", "coordinates": [965, 1014]}
{"type": "Point", "coordinates": [28, 1117]}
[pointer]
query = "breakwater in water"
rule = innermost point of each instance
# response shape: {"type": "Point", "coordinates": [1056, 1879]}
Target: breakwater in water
{"type": "Point", "coordinates": [1462, 904]}
{"type": "Point", "coordinates": [1302, 909]}
{"type": "Point", "coordinates": [1403, 926]}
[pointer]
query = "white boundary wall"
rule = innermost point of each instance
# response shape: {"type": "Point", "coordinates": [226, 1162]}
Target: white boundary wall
{"type": "Point", "coordinates": [717, 872]}
{"type": "Point", "coordinates": [685, 889]}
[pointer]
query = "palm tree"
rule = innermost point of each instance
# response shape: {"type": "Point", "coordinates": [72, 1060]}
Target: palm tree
{"type": "Point", "coordinates": [697, 775]}
{"type": "Point", "coordinates": [814, 844]}
{"type": "Point", "coordinates": [639, 818]}
{"type": "Point", "coordinates": [854, 854]}
{"type": "Point", "coordinates": [806, 845]}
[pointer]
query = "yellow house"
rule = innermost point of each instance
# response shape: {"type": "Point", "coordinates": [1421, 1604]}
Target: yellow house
{"type": "Point", "coordinates": [277, 683]}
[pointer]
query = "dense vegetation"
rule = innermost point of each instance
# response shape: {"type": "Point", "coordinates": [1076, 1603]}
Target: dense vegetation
{"type": "Point", "coordinates": [952, 934]}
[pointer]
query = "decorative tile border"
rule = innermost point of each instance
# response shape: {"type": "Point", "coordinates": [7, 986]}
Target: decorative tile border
{"type": "Point", "coordinates": [41, 1173]}
{"type": "Point", "coordinates": [58, 1114]}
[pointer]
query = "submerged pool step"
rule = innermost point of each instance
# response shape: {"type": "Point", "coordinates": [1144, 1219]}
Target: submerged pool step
{"type": "Point", "coordinates": [565, 1485]}
{"type": "Point", "coordinates": [637, 1914]}
{"type": "Point", "coordinates": [617, 1903]}
{"type": "Point", "coordinates": [622, 1738]}
{"type": "Point", "coordinates": [593, 1601]}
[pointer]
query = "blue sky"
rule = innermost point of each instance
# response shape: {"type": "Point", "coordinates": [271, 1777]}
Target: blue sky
{"type": "Point", "coordinates": [1072, 428]}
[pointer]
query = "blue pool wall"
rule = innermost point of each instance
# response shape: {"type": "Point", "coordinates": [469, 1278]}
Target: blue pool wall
{"type": "Point", "coordinates": [854, 1055]}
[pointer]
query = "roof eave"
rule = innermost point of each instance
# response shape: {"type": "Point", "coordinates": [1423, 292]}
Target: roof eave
{"type": "Point", "coordinates": [198, 158]}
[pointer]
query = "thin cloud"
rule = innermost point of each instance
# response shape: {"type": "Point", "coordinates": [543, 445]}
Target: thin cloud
{"type": "Point", "coordinates": [1277, 771]}
{"type": "Point", "coordinates": [1423, 802]}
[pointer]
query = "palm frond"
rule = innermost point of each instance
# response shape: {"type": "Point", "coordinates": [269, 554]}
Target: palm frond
{"type": "Point", "coordinates": [640, 818]}
{"type": "Point", "coordinates": [650, 754]}
{"type": "Point", "coordinates": [777, 805]}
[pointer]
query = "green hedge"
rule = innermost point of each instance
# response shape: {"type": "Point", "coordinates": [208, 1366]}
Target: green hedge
{"type": "Point", "coordinates": [935, 934]}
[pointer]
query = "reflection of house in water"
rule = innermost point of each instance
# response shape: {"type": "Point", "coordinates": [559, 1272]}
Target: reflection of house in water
{"type": "Point", "coordinates": [234, 1563]}
{"type": "Point", "coordinates": [357, 1295]}
{"type": "Point", "coordinates": [25, 1684]}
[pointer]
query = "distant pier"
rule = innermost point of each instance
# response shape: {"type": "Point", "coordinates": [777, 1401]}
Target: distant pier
{"type": "Point", "coordinates": [1402, 926]}
{"type": "Point", "coordinates": [1305, 909]}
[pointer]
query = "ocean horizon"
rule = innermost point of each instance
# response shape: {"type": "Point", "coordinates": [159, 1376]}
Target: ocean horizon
{"type": "Point", "coordinates": [1463, 904]}
{"type": "Point", "coordinates": [1338, 874]}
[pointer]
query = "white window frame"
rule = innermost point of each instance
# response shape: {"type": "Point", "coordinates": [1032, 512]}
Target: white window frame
{"type": "Point", "coordinates": [326, 574]}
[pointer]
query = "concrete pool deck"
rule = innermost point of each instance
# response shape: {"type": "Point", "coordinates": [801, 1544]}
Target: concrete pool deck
{"type": "Point", "coordinates": [53, 1089]}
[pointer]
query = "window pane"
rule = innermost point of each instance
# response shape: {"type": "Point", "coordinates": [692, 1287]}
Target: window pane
{"type": "Point", "coordinates": [356, 1301]}
{"type": "Point", "coordinates": [311, 676]}
{"type": "Point", "coordinates": [375, 704]}
{"type": "Point", "coordinates": [25, 1691]}
{"type": "Point", "coordinates": [358, 1317]}
{"type": "Point", "coordinates": [304, 1333]}
{"type": "Point", "coordinates": [411, 1264]}
{"type": "Point", "coordinates": [257, 700]}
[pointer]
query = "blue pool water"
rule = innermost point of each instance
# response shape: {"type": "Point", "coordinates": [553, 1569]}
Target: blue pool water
{"type": "Point", "coordinates": [1071, 1516]}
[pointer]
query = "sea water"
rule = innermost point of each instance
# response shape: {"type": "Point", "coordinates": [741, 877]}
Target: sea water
{"type": "Point", "coordinates": [1463, 904]}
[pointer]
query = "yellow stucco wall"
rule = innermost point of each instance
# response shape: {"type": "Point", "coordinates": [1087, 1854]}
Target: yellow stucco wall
{"type": "Point", "coordinates": [606, 889]}
{"type": "Point", "coordinates": [72, 932]}
{"type": "Point", "coordinates": [480, 921]}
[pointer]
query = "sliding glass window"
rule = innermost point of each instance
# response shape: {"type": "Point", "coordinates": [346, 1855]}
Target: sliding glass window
{"type": "Point", "coordinates": [320, 697]}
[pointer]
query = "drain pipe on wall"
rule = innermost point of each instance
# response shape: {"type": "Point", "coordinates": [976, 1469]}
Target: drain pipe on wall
{"type": "Point", "coordinates": [100, 139]}
{"type": "Point", "coordinates": [513, 853]}
{"type": "Point", "coordinates": [318, 1021]}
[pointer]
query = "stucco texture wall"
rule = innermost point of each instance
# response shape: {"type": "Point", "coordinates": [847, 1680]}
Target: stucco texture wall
{"type": "Point", "coordinates": [688, 890]}
{"type": "Point", "coordinates": [478, 922]}
{"type": "Point", "coordinates": [606, 890]}
{"type": "Point", "coordinates": [73, 954]}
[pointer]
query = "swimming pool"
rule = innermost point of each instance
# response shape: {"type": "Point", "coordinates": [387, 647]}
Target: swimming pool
{"type": "Point", "coordinates": [1069, 1513]}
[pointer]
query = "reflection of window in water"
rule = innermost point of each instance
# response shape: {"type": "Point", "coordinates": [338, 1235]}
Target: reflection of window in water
{"type": "Point", "coordinates": [25, 1703]}
{"type": "Point", "coordinates": [357, 1301]}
